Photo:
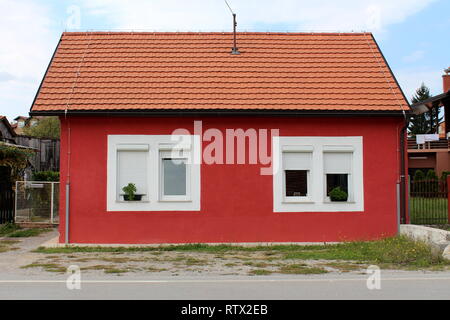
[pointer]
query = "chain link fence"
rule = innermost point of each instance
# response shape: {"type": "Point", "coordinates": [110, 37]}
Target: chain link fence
{"type": "Point", "coordinates": [37, 201]}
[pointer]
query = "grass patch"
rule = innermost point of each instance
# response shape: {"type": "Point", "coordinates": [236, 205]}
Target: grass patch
{"type": "Point", "coordinates": [27, 233]}
{"type": "Point", "coordinates": [195, 262]}
{"type": "Point", "coordinates": [153, 269]}
{"type": "Point", "coordinates": [397, 252]}
{"type": "Point", "coordinates": [260, 272]}
{"type": "Point", "coordinates": [300, 269]}
{"type": "Point", "coordinates": [8, 228]}
{"type": "Point", "coordinates": [257, 264]}
{"type": "Point", "coordinates": [114, 270]}
{"type": "Point", "coordinates": [50, 267]}
{"type": "Point", "coordinates": [426, 210]}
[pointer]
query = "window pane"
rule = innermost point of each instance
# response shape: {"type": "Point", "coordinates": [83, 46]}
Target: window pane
{"type": "Point", "coordinates": [174, 177]}
{"type": "Point", "coordinates": [296, 183]}
{"type": "Point", "coordinates": [337, 180]}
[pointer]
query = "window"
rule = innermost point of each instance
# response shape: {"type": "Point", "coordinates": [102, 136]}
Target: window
{"type": "Point", "coordinates": [306, 169]}
{"type": "Point", "coordinates": [337, 180]}
{"type": "Point", "coordinates": [161, 169]}
{"type": "Point", "coordinates": [296, 183]}
{"type": "Point", "coordinates": [132, 167]}
{"type": "Point", "coordinates": [174, 177]}
{"type": "Point", "coordinates": [296, 167]}
{"type": "Point", "coordinates": [337, 170]}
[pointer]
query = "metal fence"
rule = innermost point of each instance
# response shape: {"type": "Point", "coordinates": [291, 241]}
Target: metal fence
{"type": "Point", "coordinates": [428, 202]}
{"type": "Point", "coordinates": [6, 203]}
{"type": "Point", "coordinates": [37, 201]}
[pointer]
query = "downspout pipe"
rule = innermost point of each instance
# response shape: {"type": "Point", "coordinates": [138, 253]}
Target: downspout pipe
{"type": "Point", "coordinates": [67, 213]}
{"type": "Point", "coordinates": [403, 217]}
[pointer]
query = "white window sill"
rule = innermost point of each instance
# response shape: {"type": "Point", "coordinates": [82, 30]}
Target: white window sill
{"type": "Point", "coordinates": [337, 202]}
{"type": "Point", "coordinates": [133, 201]}
{"type": "Point", "coordinates": [175, 200]}
{"type": "Point", "coordinates": [297, 200]}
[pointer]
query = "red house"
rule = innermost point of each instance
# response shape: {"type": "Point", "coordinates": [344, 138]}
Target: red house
{"type": "Point", "coordinates": [247, 146]}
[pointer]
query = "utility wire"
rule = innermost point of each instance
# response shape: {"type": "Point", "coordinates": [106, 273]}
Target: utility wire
{"type": "Point", "coordinates": [226, 2]}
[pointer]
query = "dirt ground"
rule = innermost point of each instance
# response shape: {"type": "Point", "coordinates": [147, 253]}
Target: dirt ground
{"type": "Point", "coordinates": [16, 255]}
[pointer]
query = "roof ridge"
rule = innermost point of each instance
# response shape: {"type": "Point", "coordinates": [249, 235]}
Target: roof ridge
{"type": "Point", "coordinates": [213, 32]}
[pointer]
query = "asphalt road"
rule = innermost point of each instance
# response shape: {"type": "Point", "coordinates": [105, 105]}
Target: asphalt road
{"type": "Point", "coordinates": [403, 285]}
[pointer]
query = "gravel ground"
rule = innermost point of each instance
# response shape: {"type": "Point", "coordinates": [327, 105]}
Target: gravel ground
{"type": "Point", "coordinates": [18, 259]}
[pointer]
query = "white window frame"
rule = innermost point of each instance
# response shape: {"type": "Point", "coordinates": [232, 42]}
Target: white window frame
{"type": "Point", "coordinates": [317, 201]}
{"type": "Point", "coordinates": [309, 176]}
{"type": "Point", "coordinates": [350, 175]}
{"type": "Point", "coordinates": [157, 145]}
{"type": "Point", "coordinates": [144, 148]}
{"type": "Point", "coordinates": [168, 154]}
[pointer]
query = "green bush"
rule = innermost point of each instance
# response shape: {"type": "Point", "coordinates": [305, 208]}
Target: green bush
{"type": "Point", "coordinates": [337, 194]}
{"type": "Point", "coordinates": [46, 176]}
{"type": "Point", "coordinates": [444, 175]}
{"type": "Point", "coordinates": [431, 175]}
{"type": "Point", "coordinates": [419, 175]}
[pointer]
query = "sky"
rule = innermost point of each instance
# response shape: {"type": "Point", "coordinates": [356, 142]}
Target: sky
{"type": "Point", "coordinates": [412, 34]}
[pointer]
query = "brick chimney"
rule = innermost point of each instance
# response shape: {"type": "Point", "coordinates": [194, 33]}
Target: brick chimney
{"type": "Point", "coordinates": [446, 80]}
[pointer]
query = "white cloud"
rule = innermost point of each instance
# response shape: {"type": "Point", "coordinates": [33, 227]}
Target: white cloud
{"type": "Point", "coordinates": [411, 78]}
{"type": "Point", "coordinates": [326, 15]}
{"type": "Point", "coordinates": [27, 45]}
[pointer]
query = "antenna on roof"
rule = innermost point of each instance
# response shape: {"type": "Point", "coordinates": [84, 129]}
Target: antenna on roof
{"type": "Point", "coordinates": [234, 50]}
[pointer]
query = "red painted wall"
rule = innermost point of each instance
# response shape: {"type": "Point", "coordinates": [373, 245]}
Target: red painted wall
{"type": "Point", "coordinates": [236, 201]}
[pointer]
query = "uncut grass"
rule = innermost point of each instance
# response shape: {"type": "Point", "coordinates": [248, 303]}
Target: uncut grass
{"type": "Point", "coordinates": [398, 251]}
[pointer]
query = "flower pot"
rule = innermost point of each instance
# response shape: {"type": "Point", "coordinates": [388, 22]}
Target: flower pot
{"type": "Point", "coordinates": [338, 200]}
{"type": "Point", "coordinates": [137, 197]}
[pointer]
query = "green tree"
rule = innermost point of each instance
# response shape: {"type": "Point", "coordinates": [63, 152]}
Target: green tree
{"type": "Point", "coordinates": [420, 124]}
{"type": "Point", "coordinates": [431, 175]}
{"type": "Point", "coordinates": [47, 127]}
{"type": "Point", "coordinates": [418, 175]}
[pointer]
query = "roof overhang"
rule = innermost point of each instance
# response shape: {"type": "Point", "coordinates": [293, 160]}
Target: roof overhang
{"type": "Point", "coordinates": [432, 102]}
{"type": "Point", "coordinates": [220, 112]}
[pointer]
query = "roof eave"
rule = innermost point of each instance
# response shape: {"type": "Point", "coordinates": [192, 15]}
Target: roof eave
{"type": "Point", "coordinates": [218, 112]}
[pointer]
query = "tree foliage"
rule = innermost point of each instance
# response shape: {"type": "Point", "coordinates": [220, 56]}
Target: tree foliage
{"type": "Point", "coordinates": [47, 127]}
{"type": "Point", "coordinates": [14, 158]}
{"type": "Point", "coordinates": [426, 122]}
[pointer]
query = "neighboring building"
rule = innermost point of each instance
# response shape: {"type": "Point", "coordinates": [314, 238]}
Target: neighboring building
{"type": "Point", "coordinates": [21, 122]}
{"type": "Point", "coordinates": [46, 156]}
{"type": "Point", "coordinates": [7, 133]}
{"type": "Point", "coordinates": [326, 104]}
{"type": "Point", "coordinates": [433, 155]}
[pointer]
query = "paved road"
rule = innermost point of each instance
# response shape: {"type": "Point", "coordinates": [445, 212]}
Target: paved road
{"type": "Point", "coordinates": [402, 285]}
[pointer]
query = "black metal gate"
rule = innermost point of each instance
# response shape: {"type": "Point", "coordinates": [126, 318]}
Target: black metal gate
{"type": "Point", "coordinates": [6, 203]}
{"type": "Point", "coordinates": [428, 202]}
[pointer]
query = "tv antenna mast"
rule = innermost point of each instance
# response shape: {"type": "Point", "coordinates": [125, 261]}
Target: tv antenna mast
{"type": "Point", "coordinates": [234, 50]}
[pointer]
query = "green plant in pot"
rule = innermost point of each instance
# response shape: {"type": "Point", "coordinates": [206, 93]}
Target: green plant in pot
{"type": "Point", "coordinates": [130, 193]}
{"type": "Point", "coordinates": [337, 194]}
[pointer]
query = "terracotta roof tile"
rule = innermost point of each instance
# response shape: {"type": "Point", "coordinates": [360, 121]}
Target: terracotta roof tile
{"type": "Point", "coordinates": [282, 71]}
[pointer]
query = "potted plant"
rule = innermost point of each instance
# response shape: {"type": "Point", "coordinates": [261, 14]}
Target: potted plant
{"type": "Point", "coordinates": [337, 194]}
{"type": "Point", "coordinates": [130, 193]}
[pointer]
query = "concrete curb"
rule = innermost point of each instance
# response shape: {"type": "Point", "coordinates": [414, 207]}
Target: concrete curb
{"type": "Point", "coordinates": [54, 243]}
{"type": "Point", "coordinates": [438, 239]}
